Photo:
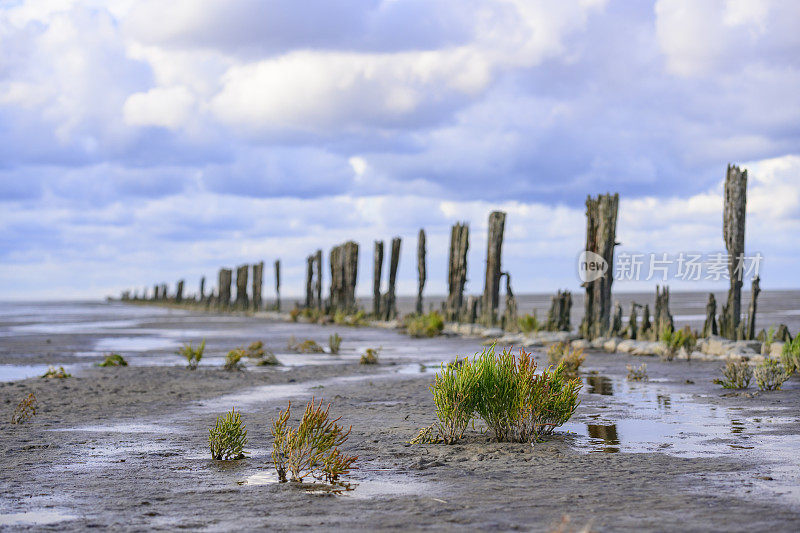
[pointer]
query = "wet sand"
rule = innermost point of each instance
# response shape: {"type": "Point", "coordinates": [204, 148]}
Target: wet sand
{"type": "Point", "coordinates": [127, 447]}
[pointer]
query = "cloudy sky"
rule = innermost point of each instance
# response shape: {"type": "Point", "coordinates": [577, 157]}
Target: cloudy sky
{"type": "Point", "coordinates": [144, 141]}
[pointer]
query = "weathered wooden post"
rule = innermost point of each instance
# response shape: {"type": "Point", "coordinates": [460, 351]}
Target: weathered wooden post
{"type": "Point", "coordinates": [632, 322]}
{"type": "Point", "coordinates": [202, 294]}
{"type": "Point", "coordinates": [491, 288]}
{"type": "Point", "coordinates": [241, 286]}
{"type": "Point", "coordinates": [663, 318]}
{"type": "Point", "coordinates": [377, 273]}
{"type": "Point", "coordinates": [751, 311]}
{"type": "Point", "coordinates": [558, 317]}
{"type": "Point", "coordinates": [710, 324]}
{"type": "Point", "coordinates": [224, 288]}
{"type": "Point", "coordinates": [390, 300]}
{"type": "Point", "coordinates": [155, 292]}
{"type": "Point", "coordinates": [471, 314]}
{"type": "Point", "coordinates": [457, 271]}
{"type": "Point", "coordinates": [309, 282]}
{"type": "Point", "coordinates": [164, 292]}
{"type": "Point", "coordinates": [421, 274]}
{"type": "Point", "coordinates": [258, 279]}
{"type": "Point", "coordinates": [318, 279]}
{"type": "Point", "coordinates": [601, 230]}
{"type": "Point", "coordinates": [510, 319]}
{"type": "Point", "coordinates": [646, 329]}
{"type": "Point", "coordinates": [337, 277]}
{"type": "Point", "coordinates": [278, 285]}
{"type": "Point", "coordinates": [179, 292]}
{"type": "Point", "coordinates": [733, 223]}
{"type": "Point", "coordinates": [350, 265]}
{"type": "Point", "coordinates": [615, 330]}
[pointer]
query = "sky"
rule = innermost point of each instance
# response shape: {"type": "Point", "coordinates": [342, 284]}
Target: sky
{"type": "Point", "coordinates": [148, 141]}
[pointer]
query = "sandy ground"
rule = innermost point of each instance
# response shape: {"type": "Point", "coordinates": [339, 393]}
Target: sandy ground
{"type": "Point", "coordinates": [126, 448]}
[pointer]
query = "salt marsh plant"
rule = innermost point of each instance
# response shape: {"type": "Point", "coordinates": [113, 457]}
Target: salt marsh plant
{"type": "Point", "coordinates": [334, 343]}
{"type": "Point", "coordinates": [307, 346]}
{"type": "Point", "coordinates": [570, 358]}
{"type": "Point", "coordinates": [370, 357]}
{"type": "Point", "coordinates": [26, 409]}
{"type": "Point", "coordinates": [675, 340]}
{"type": "Point", "coordinates": [233, 360]}
{"type": "Point", "coordinates": [529, 323]}
{"type": "Point", "coordinates": [736, 375]}
{"type": "Point", "coordinates": [427, 325]}
{"type": "Point", "coordinates": [193, 355]}
{"type": "Point", "coordinates": [56, 373]}
{"type": "Point", "coordinates": [454, 394]}
{"type": "Point", "coordinates": [359, 318]}
{"type": "Point", "coordinates": [228, 437]}
{"type": "Point", "coordinates": [114, 359]}
{"type": "Point", "coordinates": [261, 355]}
{"type": "Point", "coordinates": [637, 373]}
{"type": "Point", "coordinates": [770, 375]}
{"type": "Point", "coordinates": [790, 355]}
{"type": "Point", "coordinates": [312, 449]}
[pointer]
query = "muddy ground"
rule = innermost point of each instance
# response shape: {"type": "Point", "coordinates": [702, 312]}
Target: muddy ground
{"type": "Point", "coordinates": [126, 448]}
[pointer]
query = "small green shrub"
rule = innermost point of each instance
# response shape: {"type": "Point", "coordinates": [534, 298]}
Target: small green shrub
{"type": "Point", "coordinates": [294, 314]}
{"type": "Point", "coordinates": [233, 361]}
{"type": "Point", "coordinates": [193, 355]}
{"type": "Point", "coordinates": [675, 340]}
{"type": "Point", "coordinates": [637, 373]}
{"type": "Point", "coordinates": [26, 409]}
{"type": "Point", "coordinates": [334, 342]}
{"type": "Point", "coordinates": [312, 448]}
{"type": "Point", "coordinates": [736, 375]}
{"type": "Point", "coordinates": [228, 437]}
{"type": "Point", "coordinates": [114, 359]}
{"type": "Point", "coordinates": [570, 358]}
{"type": "Point", "coordinates": [370, 357]}
{"type": "Point", "coordinates": [255, 350]}
{"type": "Point", "coordinates": [790, 355]}
{"type": "Point", "coordinates": [307, 346]}
{"type": "Point", "coordinates": [529, 323]}
{"type": "Point", "coordinates": [56, 373]}
{"type": "Point", "coordinates": [427, 325]}
{"type": "Point", "coordinates": [269, 359]}
{"type": "Point", "coordinates": [454, 394]}
{"type": "Point", "coordinates": [359, 318]}
{"type": "Point", "coordinates": [770, 375]}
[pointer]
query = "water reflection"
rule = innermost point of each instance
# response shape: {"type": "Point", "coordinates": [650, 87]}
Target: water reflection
{"type": "Point", "coordinates": [600, 385]}
{"type": "Point", "coordinates": [604, 437]}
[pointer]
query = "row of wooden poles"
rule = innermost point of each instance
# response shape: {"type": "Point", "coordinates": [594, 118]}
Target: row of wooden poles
{"type": "Point", "coordinates": [598, 321]}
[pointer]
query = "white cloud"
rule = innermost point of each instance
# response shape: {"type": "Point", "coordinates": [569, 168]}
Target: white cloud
{"type": "Point", "coordinates": [167, 107]}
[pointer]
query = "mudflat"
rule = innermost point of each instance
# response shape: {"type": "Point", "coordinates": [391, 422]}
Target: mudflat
{"type": "Point", "coordinates": [127, 447]}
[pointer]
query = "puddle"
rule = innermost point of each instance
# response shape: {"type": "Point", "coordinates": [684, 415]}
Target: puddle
{"type": "Point", "coordinates": [17, 372]}
{"type": "Point", "coordinates": [122, 428]}
{"type": "Point", "coordinates": [35, 518]}
{"type": "Point", "coordinates": [388, 484]}
{"type": "Point", "coordinates": [134, 344]}
{"type": "Point", "coordinates": [74, 327]}
{"type": "Point", "coordinates": [599, 385]}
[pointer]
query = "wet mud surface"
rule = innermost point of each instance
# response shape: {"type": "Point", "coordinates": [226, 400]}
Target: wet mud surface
{"type": "Point", "coordinates": [126, 448]}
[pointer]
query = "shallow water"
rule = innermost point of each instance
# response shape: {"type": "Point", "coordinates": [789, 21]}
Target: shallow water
{"type": "Point", "coordinates": [35, 518]}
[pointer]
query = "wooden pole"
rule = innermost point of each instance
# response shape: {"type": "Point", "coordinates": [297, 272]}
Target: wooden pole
{"type": "Point", "coordinates": [241, 286]}
{"type": "Point", "coordinates": [601, 229]}
{"type": "Point", "coordinates": [318, 279]}
{"type": "Point", "coordinates": [390, 306]}
{"type": "Point", "coordinates": [491, 288]}
{"type": "Point", "coordinates": [278, 285]}
{"type": "Point", "coordinates": [421, 274]}
{"type": "Point", "coordinates": [179, 292]}
{"type": "Point", "coordinates": [457, 270]}
{"type": "Point", "coordinates": [710, 324]}
{"type": "Point", "coordinates": [733, 224]}
{"type": "Point", "coordinates": [377, 273]}
{"type": "Point", "coordinates": [751, 312]}
{"type": "Point", "coordinates": [258, 280]}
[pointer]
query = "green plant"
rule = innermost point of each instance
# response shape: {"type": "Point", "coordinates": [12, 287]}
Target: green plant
{"type": "Point", "coordinates": [529, 323]}
{"type": "Point", "coordinates": [334, 342]}
{"type": "Point", "coordinates": [307, 346]}
{"type": "Point", "coordinates": [370, 357]}
{"type": "Point", "coordinates": [675, 340]}
{"type": "Point", "coordinates": [359, 318]}
{"type": "Point", "coordinates": [269, 359]}
{"type": "Point", "coordinates": [57, 373]}
{"type": "Point", "coordinates": [736, 374]}
{"type": "Point", "coordinates": [233, 361]}
{"type": "Point", "coordinates": [770, 375]}
{"type": "Point", "coordinates": [255, 350]}
{"type": "Point", "coordinates": [790, 355]}
{"type": "Point", "coordinates": [570, 358]}
{"type": "Point", "coordinates": [294, 314]}
{"type": "Point", "coordinates": [427, 325]}
{"type": "Point", "coordinates": [517, 404]}
{"type": "Point", "coordinates": [25, 410]}
{"type": "Point", "coordinates": [228, 437]}
{"type": "Point", "coordinates": [114, 359]}
{"type": "Point", "coordinates": [637, 373]}
{"type": "Point", "coordinates": [193, 355]}
{"type": "Point", "coordinates": [454, 394]}
{"type": "Point", "coordinates": [312, 448]}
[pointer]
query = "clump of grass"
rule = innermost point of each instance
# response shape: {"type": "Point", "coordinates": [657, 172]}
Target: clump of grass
{"type": "Point", "coordinates": [334, 343]}
{"type": "Point", "coordinates": [56, 373]}
{"type": "Point", "coordinates": [427, 325]}
{"type": "Point", "coordinates": [570, 358]}
{"type": "Point", "coordinates": [26, 409]}
{"type": "Point", "coordinates": [455, 395]}
{"type": "Point", "coordinates": [790, 355]}
{"type": "Point", "coordinates": [370, 357]}
{"type": "Point", "coordinates": [637, 373]}
{"type": "Point", "coordinates": [193, 355]}
{"type": "Point", "coordinates": [269, 359]}
{"type": "Point", "coordinates": [736, 375]}
{"type": "Point", "coordinates": [233, 361]}
{"type": "Point", "coordinates": [114, 359]}
{"type": "Point", "coordinates": [770, 375]}
{"type": "Point", "coordinates": [294, 314]}
{"type": "Point", "coordinates": [228, 437]}
{"type": "Point", "coordinates": [262, 356]}
{"type": "Point", "coordinates": [307, 346]}
{"type": "Point", "coordinates": [675, 340]}
{"type": "Point", "coordinates": [529, 323]}
{"type": "Point", "coordinates": [313, 448]}
{"type": "Point", "coordinates": [359, 318]}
